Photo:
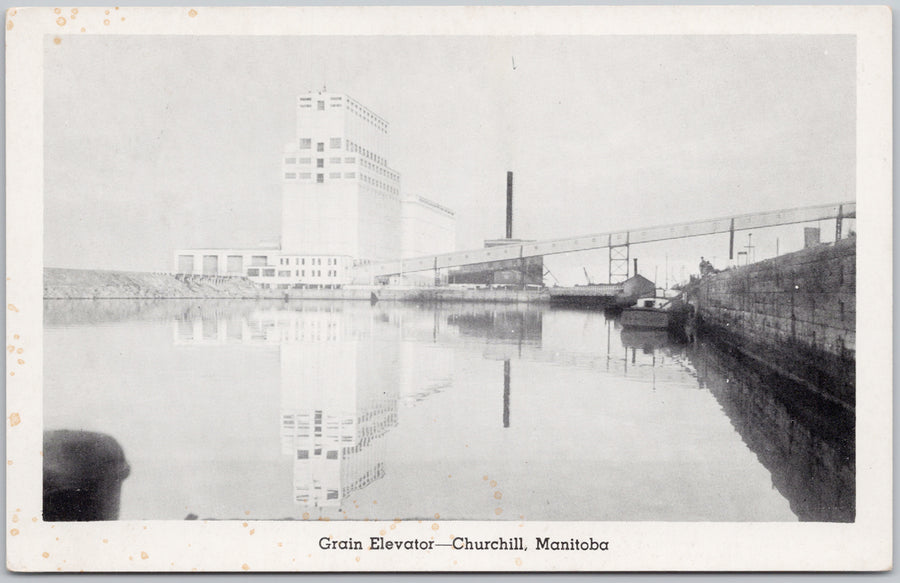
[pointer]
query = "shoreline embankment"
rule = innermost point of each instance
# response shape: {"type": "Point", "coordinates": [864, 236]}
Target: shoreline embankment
{"type": "Point", "coordinates": [72, 284]}
{"type": "Point", "coordinates": [795, 314]}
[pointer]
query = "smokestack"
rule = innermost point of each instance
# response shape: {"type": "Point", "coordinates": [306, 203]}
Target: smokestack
{"type": "Point", "coordinates": [635, 266]}
{"type": "Point", "coordinates": [509, 208]}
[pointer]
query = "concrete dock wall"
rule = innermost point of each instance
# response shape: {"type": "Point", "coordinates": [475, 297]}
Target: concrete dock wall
{"type": "Point", "coordinates": [796, 312]}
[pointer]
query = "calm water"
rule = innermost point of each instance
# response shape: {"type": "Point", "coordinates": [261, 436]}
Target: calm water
{"type": "Point", "coordinates": [347, 410]}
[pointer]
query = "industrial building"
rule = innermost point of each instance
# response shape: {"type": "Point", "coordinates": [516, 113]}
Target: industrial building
{"type": "Point", "coordinates": [521, 272]}
{"type": "Point", "coordinates": [342, 205]}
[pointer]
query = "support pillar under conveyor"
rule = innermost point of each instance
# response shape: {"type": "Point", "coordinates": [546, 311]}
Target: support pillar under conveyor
{"type": "Point", "coordinates": [619, 259]}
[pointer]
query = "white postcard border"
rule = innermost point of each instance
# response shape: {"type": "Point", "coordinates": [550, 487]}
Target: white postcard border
{"type": "Point", "coordinates": [33, 545]}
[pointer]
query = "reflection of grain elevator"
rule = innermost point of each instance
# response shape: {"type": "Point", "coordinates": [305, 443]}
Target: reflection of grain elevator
{"type": "Point", "coordinates": [338, 400]}
{"type": "Point", "coordinates": [515, 272]}
{"type": "Point", "coordinates": [344, 372]}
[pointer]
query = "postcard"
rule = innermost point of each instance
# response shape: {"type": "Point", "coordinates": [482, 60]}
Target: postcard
{"type": "Point", "coordinates": [450, 289]}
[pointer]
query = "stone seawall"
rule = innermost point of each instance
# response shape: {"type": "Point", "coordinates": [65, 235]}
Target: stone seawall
{"type": "Point", "coordinates": [60, 284]}
{"type": "Point", "coordinates": [796, 312]}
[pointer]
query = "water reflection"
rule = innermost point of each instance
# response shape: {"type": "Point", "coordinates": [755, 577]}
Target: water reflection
{"type": "Point", "coordinates": [806, 442]}
{"type": "Point", "coordinates": [342, 378]}
{"type": "Point", "coordinates": [413, 405]}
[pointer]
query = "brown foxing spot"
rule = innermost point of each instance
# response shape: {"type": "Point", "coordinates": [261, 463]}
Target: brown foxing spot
{"type": "Point", "coordinates": [45, 554]}
{"type": "Point", "coordinates": [34, 519]}
{"type": "Point", "coordinates": [9, 26]}
{"type": "Point", "coordinates": [498, 511]}
{"type": "Point", "coordinates": [245, 567]}
{"type": "Point", "coordinates": [192, 13]}
{"type": "Point", "coordinates": [518, 562]}
{"type": "Point", "coordinates": [436, 516]}
{"type": "Point", "coordinates": [9, 462]}
{"type": "Point", "coordinates": [74, 11]}
{"type": "Point", "coordinates": [106, 540]}
{"type": "Point", "coordinates": [493, 483]}
{"type": "Point", "coordinates": [435, 526]}
{"type": "Point", "coordinates": [244, 525]}
{"type": "Point", "coordinates": [61, 21]}
{"type": "Point", "coordinates": [83, 29]}
{"type": "Point", "coordinates": [20, 361]}
{"type": "Point", "coordinates": [484, 477]}
{"type": "Point", "coordinates": [15, 518]}
{"type": "Point", "coordinates": [144, 555]}
{"type": "Point", "coordinates": [20, 350]}
{"type": "Point", "coordinates": [10, 348]}
{"type": "Point", "coordinates": [106, 12]}
{"type": "Point", "coordinates": [498, 495]}
{"type": "Point", "coordinates": [57, 41]}
{"type": "Point", "coordinates": [383, 532]}
{"type": "Point", "coordinates": [306, 516]}
{"type": "Point", "coordinates": [252, 530]}
{"type": "Point", "coordinates": [14, 419]}
{"type": "Point", "coordinates": [12, 308]}
{"type": "Point", "coordinates": [12, 374]}
{"type": "Point", "coordinates": [106, 22]}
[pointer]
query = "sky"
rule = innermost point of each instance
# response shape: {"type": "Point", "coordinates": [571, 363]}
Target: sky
{"type": "Point", "coordinates": [154, 143]}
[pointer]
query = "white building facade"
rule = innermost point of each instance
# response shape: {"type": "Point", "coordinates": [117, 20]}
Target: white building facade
{"type": "Point", "coordinates": [427, 227]}
{"type": "Point", "coordinates": [340, 195]}
{"type": "Point", "coordinates": [270, 268]}
{"type": "Point", "coordinates": [341, 205]}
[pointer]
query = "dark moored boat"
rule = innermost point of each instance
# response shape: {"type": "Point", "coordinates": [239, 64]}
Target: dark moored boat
{"type": "Point", "coordinates": [654, 313]}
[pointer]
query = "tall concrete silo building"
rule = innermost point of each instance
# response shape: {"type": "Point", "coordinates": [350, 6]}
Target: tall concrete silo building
{"type": "Point", "coordinates": [340, 197]}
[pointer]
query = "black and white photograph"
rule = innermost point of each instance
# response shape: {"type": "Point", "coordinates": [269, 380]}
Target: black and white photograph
{"type": "Point", "coordinates": [448, 289]}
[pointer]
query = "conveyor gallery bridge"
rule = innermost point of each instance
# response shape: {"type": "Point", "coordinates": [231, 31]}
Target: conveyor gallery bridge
{"type": "Point", "coordinates": [617, 242]}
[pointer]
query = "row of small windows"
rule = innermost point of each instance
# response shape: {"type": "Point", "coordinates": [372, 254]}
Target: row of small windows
{"type": "Point", "coordinates": [365, 153]}
{"type": "Point", "coordinates": [368, 116]}
{"type": "Point", "coordinates": [380, 170]}
{"type": "Point", "coordinates": [378, 183]}
{"type": "Point", "coordinates": [319, 177]}
{"type": "Point", "coordinates": [312, 260]}
{"type": "Point", "coordinates": [333, 143]}
{"type": "Point", "coordinates": [307, 103]}
{"type": "Point", "coordinates": [320, 162]}
{"type": "Point", "coordinates": [303, 454]}
{"type": "Point", "coordinates": [254, 272]}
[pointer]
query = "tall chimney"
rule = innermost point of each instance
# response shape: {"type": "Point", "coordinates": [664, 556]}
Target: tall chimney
{"type": "Point", "coordinates": [509, 208]}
